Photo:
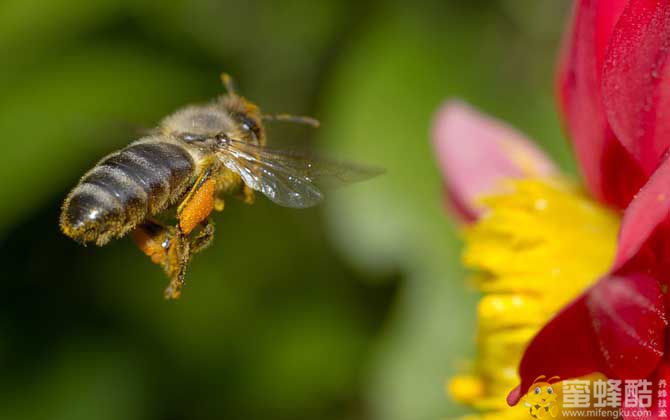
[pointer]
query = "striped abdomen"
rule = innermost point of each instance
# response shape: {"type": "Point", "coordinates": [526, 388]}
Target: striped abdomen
{"type": "Point", "coordinates": [125, 188]}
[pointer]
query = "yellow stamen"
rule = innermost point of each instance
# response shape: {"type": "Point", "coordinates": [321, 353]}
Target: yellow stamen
{"type": "Point", "coordinates": [539, 245]}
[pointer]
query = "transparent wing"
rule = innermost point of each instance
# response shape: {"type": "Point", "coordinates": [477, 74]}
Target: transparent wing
{"type": "Point", "coordinates": [289, 178]}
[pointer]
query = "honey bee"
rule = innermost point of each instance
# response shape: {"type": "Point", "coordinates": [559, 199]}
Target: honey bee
{"type": "Point", "coordinates": [182, 170]}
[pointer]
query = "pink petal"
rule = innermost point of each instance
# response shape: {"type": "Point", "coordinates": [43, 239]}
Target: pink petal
{"type": "Point", "coordinates": [646, 212]}
{"type": "Point", "coordinates": [609, 171]}
{"type": "Point", "coordinates": [617, 328]}
{"type": "Point", "coordinates": [476, 153]}
{"type": "Point", "coordinates": [636, 81]}
{"type": "Point", "coordinates": [461, 210]}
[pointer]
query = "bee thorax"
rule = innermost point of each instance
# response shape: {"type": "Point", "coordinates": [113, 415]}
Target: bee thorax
{"type": "Point", "coordinates": [197, 121]}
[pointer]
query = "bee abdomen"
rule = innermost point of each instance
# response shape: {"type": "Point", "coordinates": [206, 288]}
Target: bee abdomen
{"type": "Point", "coordinates": [160, 169]}
{"type": "Point", "coordinates": [124, 188]}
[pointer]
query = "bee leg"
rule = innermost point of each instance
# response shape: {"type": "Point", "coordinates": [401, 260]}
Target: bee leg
{"type": "Point", "coordinates": [204, 238]}
{"type": "Point", "coordinates": [219, 204]}
{"type": "Point", "coordinates": [179, 256]}
{"type": "Point", "coordinates": [230, 182]}
{"type": "Point", "coordinates": [182, 249]}
{"type": "Point", "coordinates": [247, 195]}
{"type": "Point", "coordinates": [193, 211]}
{"type": "Point", "coordinates": [168, 247]}
{"type": "Point", "coordinates": [153, 239]}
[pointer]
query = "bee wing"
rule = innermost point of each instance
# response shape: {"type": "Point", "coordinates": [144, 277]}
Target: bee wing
{"type": "Point", "coordinates": [289, 178]}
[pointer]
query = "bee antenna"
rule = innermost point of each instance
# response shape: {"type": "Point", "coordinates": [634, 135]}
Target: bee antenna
{"type": "Point", "coordinates": [298, 119]}
{"type": "Point", "coordinates": [538, 379]}
{"type": "Point", "coordinates": [228, 83]}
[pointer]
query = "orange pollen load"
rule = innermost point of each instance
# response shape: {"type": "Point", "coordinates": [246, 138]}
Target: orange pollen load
{"type": "Point", "coordinates": [199, 207]}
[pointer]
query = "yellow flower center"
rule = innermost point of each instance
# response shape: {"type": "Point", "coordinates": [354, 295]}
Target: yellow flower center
{"type": "Point", "coordinates": [540, 244]}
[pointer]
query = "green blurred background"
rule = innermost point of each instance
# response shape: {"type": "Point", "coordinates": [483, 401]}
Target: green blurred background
{"type": "Point", "coordinates": [354, 310]}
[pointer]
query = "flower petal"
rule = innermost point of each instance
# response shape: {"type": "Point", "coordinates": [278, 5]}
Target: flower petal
{"type": "Point", "coordinates": [648, 210]}
{"type": "Point", "coordinates": [617, 327]}
{"type": "Point", "coordinates": [609, 171]}
{"type": "Point", "coordinates": [628, 318]}
{"type": "Point", "coordinates": [476, 152]}
{"type": "Point", "coordinates": [636, 81]}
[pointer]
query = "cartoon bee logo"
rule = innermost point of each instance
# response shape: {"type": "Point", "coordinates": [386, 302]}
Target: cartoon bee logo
{"type": "Point", "coordinates": [541, 398]}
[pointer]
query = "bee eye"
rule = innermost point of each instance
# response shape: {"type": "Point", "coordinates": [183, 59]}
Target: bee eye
{"type": "Point", "coordinates": [538, 390]}
{"type": "Point", "coordinates": [550, 390]}
{"type": "Point", "coordinates": [249, 124]}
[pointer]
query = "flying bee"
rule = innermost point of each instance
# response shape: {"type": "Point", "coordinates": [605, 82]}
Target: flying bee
{"type": "Point", "coordinates": [183, 168]}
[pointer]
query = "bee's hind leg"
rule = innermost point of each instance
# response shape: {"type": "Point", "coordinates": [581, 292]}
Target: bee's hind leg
{"type": "Point", "coordinates": [193, 212]}
{"type": "Point", "coordinates": [181, 251]}
{"type": "Point", "coordinates": [153, 238]}
{"type": "Point", "coordinates": [168, 247]}
{"type": "Point", "coordinates": [179, 256]}
{"type": "Point", "coordinates": [204, 238]}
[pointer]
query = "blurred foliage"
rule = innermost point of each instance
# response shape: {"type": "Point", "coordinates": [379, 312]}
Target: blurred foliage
{"type": "Point", "coordinates": [357, 310]}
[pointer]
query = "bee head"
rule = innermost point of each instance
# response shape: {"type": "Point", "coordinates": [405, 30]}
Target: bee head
{"type": "Point", "coordinates": [246, 115]}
